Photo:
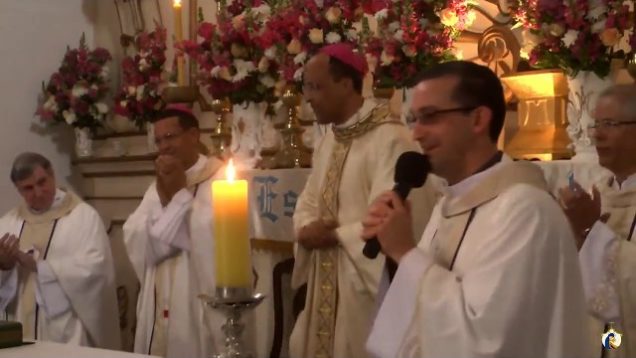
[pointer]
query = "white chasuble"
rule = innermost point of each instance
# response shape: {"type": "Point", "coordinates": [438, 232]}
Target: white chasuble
{"type": "Point", "coordinates": [172, 253]}
{"type": "Point", "coordinates": [494, 275]}
{"type": "Point", "coordinates": [608, 262]}
{"type": "Point", "coordinates": [351, 166]}
{"type": "Point", "coordinates": [71, 298]}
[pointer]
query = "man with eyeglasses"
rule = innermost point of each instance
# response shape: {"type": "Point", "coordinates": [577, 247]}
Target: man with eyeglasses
{"type": "Point", "coordinates": [352, 164]}
{"type": "Point", "coordinates": [604, 222]}
{"type": "Point", "coordinates": [495, 273]}
{"type": "Point", "coordinates": [168, 242]}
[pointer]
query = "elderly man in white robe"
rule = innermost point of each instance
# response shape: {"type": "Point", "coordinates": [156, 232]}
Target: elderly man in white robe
{"type": "Point", "coordinates": [352, 164]}
{"type": "Point", "coordinates": [169, 241]}
{"type": "Point", "coordinates": [56, 268]}
{"type": "Point", "coordinates": [604, 223]}
{"type": "Point", "coordinates": [495, 273]}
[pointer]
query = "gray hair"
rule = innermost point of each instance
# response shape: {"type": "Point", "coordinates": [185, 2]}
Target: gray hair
{"type": "Point", "coordinates": [25, 163]}
{"type": "Point", "coordinates": [625, 95]}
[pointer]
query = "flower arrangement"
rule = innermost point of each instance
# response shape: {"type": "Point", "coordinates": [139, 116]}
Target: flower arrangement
{"type": "Point", "coordinates": [139, 97]}
{"type": "Point", "coordinates": [75, 94]}
{"type": "Point", "coordinates": [576, 35]}
{"type": "Point", "coordinates": [231, 62]}
{"type": "Point", "coordinates": [413, 35]}
{"type": "Point", "coordinates": [300, 29]}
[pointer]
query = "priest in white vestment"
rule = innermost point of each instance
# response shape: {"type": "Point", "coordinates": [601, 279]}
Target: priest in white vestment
{"type": "Point", "coordinates": [495, 273]}
{"type": "Point", "coordinates": [604, 223]}
{"type": "Point", "coordinates": [352, 164]}
{"type": "Point", "coordinates": [56, 268]}
{"type": "Point", "coordinates": [169, 241]}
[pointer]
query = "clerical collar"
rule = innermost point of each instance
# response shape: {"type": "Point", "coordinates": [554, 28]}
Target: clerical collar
{"type": "Point", "coordinates": [627, 184]}
{"type": "Point", "coordinates": [197, 166]}
{"type": "Point", "coordinates": [57, 201]}
{"type": "Point", "coordinates": [485, 170]}
{"type": "Point", "coordinates": [367, 106]}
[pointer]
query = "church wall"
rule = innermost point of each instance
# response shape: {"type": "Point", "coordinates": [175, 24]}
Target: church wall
{"type": "Point", "coordinates": [34, 35]}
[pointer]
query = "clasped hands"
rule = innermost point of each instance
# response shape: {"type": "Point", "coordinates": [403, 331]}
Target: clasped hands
{"type": "Point", "coordinates": [319, 234]}
{"type": "Point", "coordinates": [171, 177]}
{"type": "Point", "coordinates": [389, 219]}
{"type": "Point", "coordinates": [10, 254]}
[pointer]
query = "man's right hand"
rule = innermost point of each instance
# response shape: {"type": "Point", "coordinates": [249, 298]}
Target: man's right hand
{"type": "Point", "coordinates": [319, 234]}
{"type": "Point", "coordinates": [9, 247]}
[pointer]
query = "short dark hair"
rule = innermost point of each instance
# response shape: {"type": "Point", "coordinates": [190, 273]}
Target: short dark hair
{"type": "Point", "coordinates": [25, 163]}
{"type": "Point", "coordinates": [340, 70]}
{"type": "Point", "coordinates": [478, 86]}
{"type": "Point", "coordinates": [186, 120]}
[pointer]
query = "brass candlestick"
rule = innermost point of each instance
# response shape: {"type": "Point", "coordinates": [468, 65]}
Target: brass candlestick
{"type": "Point", "coordinates": [294, 153]}
{"type": "Point", "coordinates": [222, 136]}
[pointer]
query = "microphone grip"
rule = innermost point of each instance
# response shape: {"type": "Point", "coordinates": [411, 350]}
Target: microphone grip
{"type": "Point", "coordinates": [372, 247]}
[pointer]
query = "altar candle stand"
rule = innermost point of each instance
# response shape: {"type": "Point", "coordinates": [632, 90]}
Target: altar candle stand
{"type": "Point", "coordinates": [233, 266]}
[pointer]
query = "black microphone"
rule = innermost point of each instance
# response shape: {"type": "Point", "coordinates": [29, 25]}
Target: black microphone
{"type": "Point", "coordinates": [411, 171]}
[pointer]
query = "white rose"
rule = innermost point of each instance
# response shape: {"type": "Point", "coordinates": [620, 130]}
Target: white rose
{"type": "Point", "coordinates": [386, 59]}
{"type": "Point", "coordinates": [381, 15]}
{"type": "Point", "coordinates": [101, 107]}
{"type": "Point", "coordinates": [79, 90]}
{"type": "Point", "coordinates": [123, 104]}
{"type": "Point", "coordinates": [598, 26]}
{"type": "Point", "coordinates": [352, 35]}
{"type": "Point", "coordinates": [570, 37]}
{"type": "Point", "coordinates": [333, 38]}
{"type": "Point", "coordinates": [629, 4]}
{"type": "Point", "coordinates": [399, 35]}
{"type": "Point", "coordinates": [333, 14]}
{"type": "Point", "coordinates": [263, 9]}
{"type": "Point", "coordinates": [556, 30]}
{"type": "Point", "coordinates": [140, 92]}
{"type": "Point", "coordinates": [298, 75]}
{"type": "Point", "coordinates": [268, 81]}
{"type": "Point", "coordinates": [596, 12]}
{"type": "Point", "coordinates": [132, 90]}
{"type": "Point", "coordinates": [143, 64]}
{"type": "Point", "coordinates": [294, 47]}
{"type": "Point", "coordinates": [69, 117]}
{"type": "Point", "coordinates": [394, 26]}
{"type": "Point", "coordinates": [316, 36]}
{"type": "Point", "coordinates": [271, 52]}
{"type": "Point", "coordinates": [51, 104]}
{"type": "Point", "coordinates": [300, 58]}
{"type": "Point", "coordinates": [263, 64]}
{"type": "Point", "coordinates": [243, 69]}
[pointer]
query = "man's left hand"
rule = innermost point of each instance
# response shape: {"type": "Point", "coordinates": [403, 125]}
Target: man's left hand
{"type": "Point", "coordinates": [581, 208]}
{"type": "Point", "coordinates": [389, 219]}
{"type": "Point", "coordinates": [27, 261]}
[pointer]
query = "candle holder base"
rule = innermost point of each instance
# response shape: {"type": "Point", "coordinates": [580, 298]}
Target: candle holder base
{"type": "Point", "coordinates": [233, 308]}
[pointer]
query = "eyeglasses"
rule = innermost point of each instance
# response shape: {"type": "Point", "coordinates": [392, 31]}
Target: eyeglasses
{"type": "Point", "coordinates": [425, 118]}
{"type": "Point", "coordinates": [608, 123]}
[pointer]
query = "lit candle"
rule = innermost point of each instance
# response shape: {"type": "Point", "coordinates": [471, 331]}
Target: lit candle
{"type": "Point", "coordinates": [178, 36]}
{"type": "Point", "coordinates": [232, 246]}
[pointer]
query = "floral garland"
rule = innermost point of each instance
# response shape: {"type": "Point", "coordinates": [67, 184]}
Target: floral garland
{"type": "Point", "coordinates": [413, 35]}
{"type": "Point", "coordinates": [576, 35]}
{"type": "Point", "coordinates": [231, 62]}
{"type": "Point", "coordinates": [299, 29]}
{"type": "Point", "coordinates": [139, 97]}
{"type": "Point", "coordinates": [76, 93]}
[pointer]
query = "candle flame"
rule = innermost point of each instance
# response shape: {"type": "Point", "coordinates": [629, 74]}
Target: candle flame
{"type": "Point", "coordinates": [230, 172]}
{"type": "Point", "coordinates": [176, 3]}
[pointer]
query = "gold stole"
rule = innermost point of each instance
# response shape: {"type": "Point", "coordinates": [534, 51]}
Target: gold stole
{"type": "Point", "coordinates": [165, 271]}
{"type": "Point", "coordinates": [458, 212]}
{"type": "Point", "coordinates": [37, 232]}
{"type": "Point", "coordinates": [326, 260]}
